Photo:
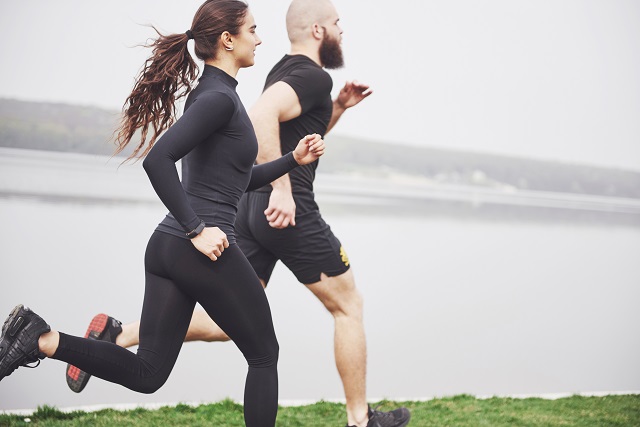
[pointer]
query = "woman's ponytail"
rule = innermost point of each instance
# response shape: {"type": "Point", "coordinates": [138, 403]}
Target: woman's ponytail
{"type": "Point", "coordinates": [170, 71]}
{"type": "Point", "coordinates": [166, 77]}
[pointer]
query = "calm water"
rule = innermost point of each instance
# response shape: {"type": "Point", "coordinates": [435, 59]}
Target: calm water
{"type": "Point", "coordinates": [452, 305]}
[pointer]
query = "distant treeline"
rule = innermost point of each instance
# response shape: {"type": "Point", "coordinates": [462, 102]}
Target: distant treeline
{"type": "Point", "coordinates": [84, 129]}
{"type": "Point", "coordinates": [468, 168]}
{"type": "Point", "coordinates": [56, 127]}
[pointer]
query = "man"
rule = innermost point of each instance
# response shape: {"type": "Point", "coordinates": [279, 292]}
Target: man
{"type": "Point", "coordinates": [282, 221]}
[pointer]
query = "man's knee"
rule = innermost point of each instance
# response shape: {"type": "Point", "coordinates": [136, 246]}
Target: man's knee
{"type": "Point", "coordinates": [339, 295]}
{"type": "Point", "coordinates": [349, 305]}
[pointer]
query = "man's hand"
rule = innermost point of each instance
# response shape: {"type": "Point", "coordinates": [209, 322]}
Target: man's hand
{"type": "Point", "coordinates": [352, 93]}
{"type": "Point", "coordinates": [281, 211]}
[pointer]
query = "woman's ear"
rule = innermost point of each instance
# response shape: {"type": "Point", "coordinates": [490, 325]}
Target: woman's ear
{"type": "Point", "coordinates": [227, 40]}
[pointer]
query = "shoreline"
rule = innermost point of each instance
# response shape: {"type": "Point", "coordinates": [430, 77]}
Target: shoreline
{"type": "Point", "coordinates": [305, 402]}
{"type": "Point", "coordinates": [61, 177]}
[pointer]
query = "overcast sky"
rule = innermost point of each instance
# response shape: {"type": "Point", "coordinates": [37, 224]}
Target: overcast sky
{"type": "Point", "coordinates": [550, 79]}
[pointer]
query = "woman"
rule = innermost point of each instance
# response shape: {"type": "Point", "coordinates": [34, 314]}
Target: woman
{"type": "Point", "coordinates": [192, 256]}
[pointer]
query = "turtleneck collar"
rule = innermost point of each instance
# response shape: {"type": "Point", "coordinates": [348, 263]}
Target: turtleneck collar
{"type": "Point", "coordinates": [210, 70]}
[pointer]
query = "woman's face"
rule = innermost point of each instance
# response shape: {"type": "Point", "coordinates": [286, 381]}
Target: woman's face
{"type": "Point", "coordinates": [245, 42]}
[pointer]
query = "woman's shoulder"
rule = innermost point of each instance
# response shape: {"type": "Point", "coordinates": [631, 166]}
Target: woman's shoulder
{"type": "Point", "coordinates": [212, 97]}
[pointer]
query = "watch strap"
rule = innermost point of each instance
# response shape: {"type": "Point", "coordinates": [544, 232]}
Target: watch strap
{"type": "Point", "coordinates": [193, 233]}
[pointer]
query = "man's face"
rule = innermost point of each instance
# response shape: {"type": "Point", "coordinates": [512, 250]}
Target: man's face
{"type": "Point", "coordinates": [330, 48]}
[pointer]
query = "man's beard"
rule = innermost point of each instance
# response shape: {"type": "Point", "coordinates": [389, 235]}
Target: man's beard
{"type": "Point", "coordinates": [331, 53]}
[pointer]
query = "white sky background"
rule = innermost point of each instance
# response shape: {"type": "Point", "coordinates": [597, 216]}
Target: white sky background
{"type": "Point", "coordinates": [550, 79]}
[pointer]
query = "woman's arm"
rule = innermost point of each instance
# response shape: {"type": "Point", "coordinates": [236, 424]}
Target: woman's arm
{"type": "Point", "coordinates": [309, 149]}
{"type": "Point", "coordinates": [207, 114]}
{"type": "Point", "coordinates": [265, 173]}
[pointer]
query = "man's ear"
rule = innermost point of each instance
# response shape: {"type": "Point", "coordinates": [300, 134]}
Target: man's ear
{"type": "Point", "coordinates": [317, 31]}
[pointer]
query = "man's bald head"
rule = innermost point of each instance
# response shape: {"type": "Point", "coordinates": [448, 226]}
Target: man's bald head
{"type": "Point", "coordinates": [302, 14]}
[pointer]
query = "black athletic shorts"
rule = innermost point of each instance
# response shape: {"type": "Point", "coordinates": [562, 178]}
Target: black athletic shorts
{"type": "Point", "coordinates": [308, 249]}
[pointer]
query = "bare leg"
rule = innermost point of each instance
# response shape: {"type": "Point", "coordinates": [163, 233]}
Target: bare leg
{"type": "Point", "coordinates": [201, 328]}
{"type": "Point", "coordinates": [340, 296]}
{"type": "Point", "coordinates": [48, 342]}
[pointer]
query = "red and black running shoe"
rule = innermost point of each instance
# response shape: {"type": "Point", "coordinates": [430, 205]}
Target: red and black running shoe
{"type": "Point", "coordinates": [101, 328]}
{"type": "Point", "coordinates": [19, 340]}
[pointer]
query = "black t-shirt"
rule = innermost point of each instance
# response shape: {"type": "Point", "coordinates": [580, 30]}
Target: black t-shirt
{"type": "Point", "coordinates": [313, 86]}
{"type": "Point", "coordinates": [218, 147]}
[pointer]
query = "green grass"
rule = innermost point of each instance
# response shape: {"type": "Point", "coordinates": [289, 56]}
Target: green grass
{"type": "Point", "coordinates": [459, 411]}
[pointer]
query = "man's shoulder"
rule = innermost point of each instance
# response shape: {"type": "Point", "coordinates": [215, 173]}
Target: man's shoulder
{"type": "Point", "coordinates": [299, 65]}
{"type": "Point", "coordinates": [297, 60]}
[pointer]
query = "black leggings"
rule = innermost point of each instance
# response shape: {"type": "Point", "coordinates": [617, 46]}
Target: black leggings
{"type": "Point", "coordinates": [178, 276]}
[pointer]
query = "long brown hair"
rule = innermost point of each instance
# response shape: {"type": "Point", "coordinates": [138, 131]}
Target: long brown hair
{"type": "Point", "coordinates": [168, 73]}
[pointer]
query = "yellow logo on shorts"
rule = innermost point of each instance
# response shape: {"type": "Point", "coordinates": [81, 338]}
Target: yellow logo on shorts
{"type": "Point", "coordinates": [343, 255]}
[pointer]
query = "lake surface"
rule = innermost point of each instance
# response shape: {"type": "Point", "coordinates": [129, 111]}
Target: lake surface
{"type": "Point", "coordinates": [479, 304]}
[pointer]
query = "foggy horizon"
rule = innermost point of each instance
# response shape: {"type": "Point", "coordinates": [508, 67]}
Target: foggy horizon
{"type": "Point", "coordinates": [543, 80]}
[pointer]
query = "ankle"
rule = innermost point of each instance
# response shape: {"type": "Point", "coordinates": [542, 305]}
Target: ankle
{"type": "Point", "coordinates": [359, 423]}
{"type": "Point", "coordinates": [358, 418]}
{"type": "Point", "coordinates": [48, 343]}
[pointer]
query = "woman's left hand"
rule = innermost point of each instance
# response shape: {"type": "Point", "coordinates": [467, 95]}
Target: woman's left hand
{"type": "Point", "coordinates": [309, 149]}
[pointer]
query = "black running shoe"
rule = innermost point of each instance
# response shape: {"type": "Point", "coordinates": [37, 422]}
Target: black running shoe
{"type": "Point", "coordinates": [101, 328]}
{"type": "Point", "coordinates": [396, 418]}
{"type": "Point", "coordinates": [19, 340]}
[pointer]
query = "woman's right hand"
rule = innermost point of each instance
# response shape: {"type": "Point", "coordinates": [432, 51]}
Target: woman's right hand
{"type": "Point", "coordinates": [211, 241]}
{"type": "Point", "coordinates": [309, 149]}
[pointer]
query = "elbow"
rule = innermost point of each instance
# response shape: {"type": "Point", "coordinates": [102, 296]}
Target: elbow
{"type": "Point", "coordinates": [152, 167]}
{"type": "Point", "coordinates": [149, 164]}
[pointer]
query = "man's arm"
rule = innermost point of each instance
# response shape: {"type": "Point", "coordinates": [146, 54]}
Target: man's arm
{"type": "Point", "coordinates": [279, 103]}
{"type": "Point", "coordinates": [351, 94]}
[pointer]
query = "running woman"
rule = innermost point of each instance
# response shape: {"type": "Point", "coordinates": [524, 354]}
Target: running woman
{"type": "Point", "coordinates": [192, 257]}
{"type": "Point", "coordinates": [282, 221]}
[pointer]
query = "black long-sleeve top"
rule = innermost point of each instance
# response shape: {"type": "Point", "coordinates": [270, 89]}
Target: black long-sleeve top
{"type": "Point", "coordinates": [218, 147]}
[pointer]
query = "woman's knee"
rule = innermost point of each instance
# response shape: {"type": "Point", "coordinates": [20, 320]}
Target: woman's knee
{"type": "Point", "coordinates": [149, 385]}
{"type": "Point", "coordinates": [267, 358]}
{"type": "Point", "coordinates": [151, 375]}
